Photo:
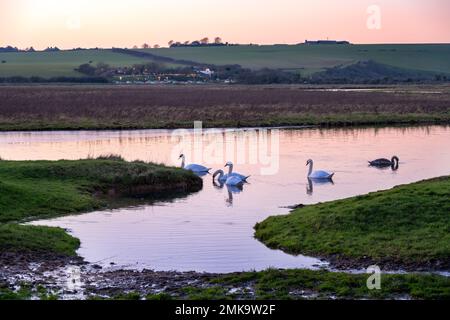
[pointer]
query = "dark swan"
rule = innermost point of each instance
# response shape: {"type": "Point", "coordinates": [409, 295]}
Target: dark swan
{"type": "Point", "coordinates": [383, 162]}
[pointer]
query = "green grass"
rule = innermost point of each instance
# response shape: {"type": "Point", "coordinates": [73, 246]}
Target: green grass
{"type": "Point", "coordinates": [14, 237]}
{"type": "Point", "coordinates": [38, 189]}
{"type": "Point", "coordinates": [26, 291]}
{"type": "Point", "coordinates": [62, 63]}
{"type": "Point", "coordinates": [322, 120]}
{"type": "Point", "coordinates": [313, 58]}
{"type": "Point", "coordinates": [292, 284]}
{"type": "Point", "coordinates": [23, 293]}
{"type": "Point", "coordinates": [406, 226]}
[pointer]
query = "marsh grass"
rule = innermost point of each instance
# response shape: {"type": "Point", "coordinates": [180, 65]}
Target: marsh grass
{"type": "Point", "coordinates": [134, 107]}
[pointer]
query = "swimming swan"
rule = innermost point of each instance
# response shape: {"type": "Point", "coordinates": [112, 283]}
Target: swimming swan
{"type": "Point", "coordinates": [228, 180]}
{"type": "Point", "coordinates": [317, 174]}
{"type": "Point", "coordinates": [383, 162]}
{"type": "Point", "coordinates": [196, 168]}
{"type": "Point", "coordinates": [235, 174]}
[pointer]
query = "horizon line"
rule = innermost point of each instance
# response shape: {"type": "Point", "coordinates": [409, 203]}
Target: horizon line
{"type": "Point", "coordinates": [231, 45]}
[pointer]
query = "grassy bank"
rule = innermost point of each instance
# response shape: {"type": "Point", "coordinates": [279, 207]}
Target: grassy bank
{"type": "Point", "coordinates": [288, 284]}
{"type": "Point", "coordinates": [407, 226]}
{"type": "Point", "coordinates": [301, 284]}
{"type": "Point", "coordinates": [41, 189]}
{"type": "Point", "coordinates": [137, 107]}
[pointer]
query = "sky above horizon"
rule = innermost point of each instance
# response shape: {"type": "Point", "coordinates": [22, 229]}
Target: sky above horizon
{"type": "Point", "coordinates": [119, 23]}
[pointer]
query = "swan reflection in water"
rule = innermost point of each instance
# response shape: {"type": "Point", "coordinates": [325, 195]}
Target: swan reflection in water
{"type": "Point", "coordinates": [392, 167]}
{"type": "Point", "coordinates": [312, 182]}
{"type": "Point", "coordinates": [231, 190]}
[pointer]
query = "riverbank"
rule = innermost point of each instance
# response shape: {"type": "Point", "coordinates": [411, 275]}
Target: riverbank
{"type": "Point", "coordinates": [90, 107]}
{"type": "Point", "coordinates": [402, 228]}
{"type": "Point", "coordinates": [31, 190]}
{"type": "Point", "coordinates": [87, 282]}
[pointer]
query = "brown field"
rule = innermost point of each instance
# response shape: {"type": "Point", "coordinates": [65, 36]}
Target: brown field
{"type": "Point", "coordinates": [128, 107]}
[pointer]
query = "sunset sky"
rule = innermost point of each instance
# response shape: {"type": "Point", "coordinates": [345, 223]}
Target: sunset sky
{"type": "Point", "coordinates": [107, 23]}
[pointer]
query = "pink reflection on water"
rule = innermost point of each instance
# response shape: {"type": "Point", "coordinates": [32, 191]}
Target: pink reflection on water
{"type": "Point", "coordinates": [213, 230]}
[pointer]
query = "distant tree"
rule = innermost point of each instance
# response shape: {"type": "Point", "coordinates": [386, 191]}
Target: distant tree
{"type": "Point", "coordinates": [156, 46]}
{"type": "Point", "coordinates": [102, 68]}
{"type": "Point", "coordinates": [9, 49]}
{"type": "Point", "coordinates": [170, 43]}
{"type": "Point", "coordinates": [145, 46]}
{"type": "Point", "coordinates": [86, 69]}
{"type": "Point", "coordinates": [52, 49]}
{"type": "Point", "coordinates": [218, 40]}
{"type": "Point", "coordinates": [135, 47]}
{"type": "Point", "coordinates": [30, 49]}
{"type": "Point", "coordinates": [186, 43]}
{"type": "Point", "coordinates": [204, 40]}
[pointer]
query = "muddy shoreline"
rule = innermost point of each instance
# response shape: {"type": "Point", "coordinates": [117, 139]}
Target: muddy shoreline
{"type": "Point", "coordinates": [73, 278]}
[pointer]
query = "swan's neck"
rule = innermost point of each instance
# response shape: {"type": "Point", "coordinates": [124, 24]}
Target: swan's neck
{"type": "Point", "coordinates": [183, 162]}
{"type": "Point", "coordinates": [310, 168]}
{"type": "Point", "coordinates": [219, 173]}
{"type": "Point", "coordinates": [230, 169]}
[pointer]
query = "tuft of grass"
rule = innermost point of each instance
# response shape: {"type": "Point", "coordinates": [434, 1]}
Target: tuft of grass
{"type": "Point", "coordinates": [159, 296]}
{"type": "Point", "coordinates": [23, 293]}
{"type": "Point", "coordinates": [45, 240]}
{"type": "Point", "coordinates": [111, 156]}
{"type": "Point", "coordinates": [405, 226]}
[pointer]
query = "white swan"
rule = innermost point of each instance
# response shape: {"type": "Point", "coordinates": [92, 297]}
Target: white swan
{"type": "Point", "coordinates": [235, 174]}
{"type": "Point", "coordinates": [234, 181]}
{"type": "Point", "coordinates": [317, 174]}
{"type": "Point", "coordinates": [196, 168]}
{"type": "Point", "coordinates": [228, 180]}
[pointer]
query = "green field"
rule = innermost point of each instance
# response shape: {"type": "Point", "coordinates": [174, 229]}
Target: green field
{"type": "Point", "coordinates": [308, 59]}
{"type": "Point", "coordinates": [301, 58]}
{"type": "Point", "coordinates": [62, 63]}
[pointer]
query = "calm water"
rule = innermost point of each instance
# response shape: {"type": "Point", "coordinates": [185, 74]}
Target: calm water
{"type": "Point", "coordinates": [212, 230]}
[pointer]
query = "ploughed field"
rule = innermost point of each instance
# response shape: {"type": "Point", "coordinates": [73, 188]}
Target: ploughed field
{"type": "Point", "coordinates": [127, 107]}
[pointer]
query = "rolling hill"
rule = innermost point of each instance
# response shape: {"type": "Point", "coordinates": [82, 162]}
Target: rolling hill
{"type": "Point", "coordinates": [305, 59]}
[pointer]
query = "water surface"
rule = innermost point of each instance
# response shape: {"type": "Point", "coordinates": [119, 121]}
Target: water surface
{"type": "Point", "coordinates": [212, 230]}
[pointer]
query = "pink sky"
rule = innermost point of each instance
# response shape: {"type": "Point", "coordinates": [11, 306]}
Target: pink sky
{"type": "Point", "coordinates": [106, 23]}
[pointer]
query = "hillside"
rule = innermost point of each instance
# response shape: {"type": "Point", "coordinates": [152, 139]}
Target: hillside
{"type": "Point", "coordinates": [61, 63]}
{"type": "Point", "coordinates": [309, 59]}
{"type": "Point", "coordinates": [305, 59]}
